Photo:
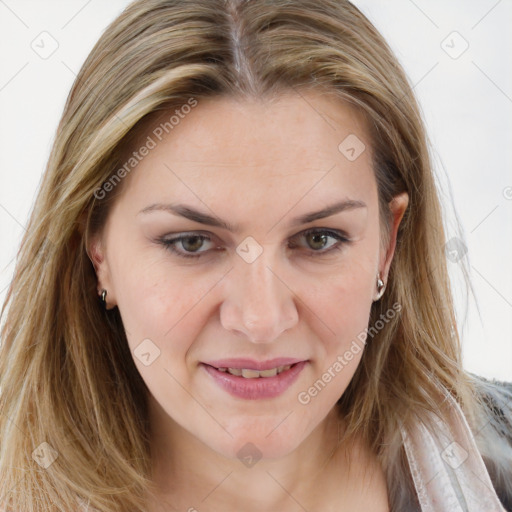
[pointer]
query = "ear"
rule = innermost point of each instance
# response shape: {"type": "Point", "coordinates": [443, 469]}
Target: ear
{"type": "Point", "coordinates": [397, 205]}
{"type": "Point", "coordinates": [97, 255]}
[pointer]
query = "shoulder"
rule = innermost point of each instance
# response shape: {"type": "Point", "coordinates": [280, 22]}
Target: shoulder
{"type": "Point", "coordinates": [493, 433]}
{"type": "Point", "coordinates": [495, 399]}
{"type": "Point", "coordinates": [493, 387]}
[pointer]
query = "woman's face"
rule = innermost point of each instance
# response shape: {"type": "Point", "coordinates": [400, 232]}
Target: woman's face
{"type": "Point", "coordinates": [258, 284]}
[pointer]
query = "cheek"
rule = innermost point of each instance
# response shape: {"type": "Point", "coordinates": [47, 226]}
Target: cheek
{"type": "Point", "coordinates": [342, 305]}
{"type": "Point", "coordinates": [346, 314]}
{"type": "Point", "coordinates": [160, 303]}
{"type": "Point", "coordinates": [339, 354]}
{"type": "Point", "coordinates": [346, 293]}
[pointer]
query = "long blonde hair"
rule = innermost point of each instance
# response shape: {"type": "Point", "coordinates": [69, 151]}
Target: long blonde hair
{"type": "Point", "coordinates": [67, 377]}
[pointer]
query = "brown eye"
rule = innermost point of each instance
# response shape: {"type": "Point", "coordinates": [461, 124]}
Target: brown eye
{"type": "Point", "coordinates": [317, 243]}
{"type": "Point", "coordinates": [190, 244]}
{"type": "Point", "coordinates": [317, 240]}
{"type": "Point", "coordinates": [196, 243]}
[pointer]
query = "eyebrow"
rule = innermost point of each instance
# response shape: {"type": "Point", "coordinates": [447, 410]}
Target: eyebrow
{"type": "Point", "coordinates": [203, 218]}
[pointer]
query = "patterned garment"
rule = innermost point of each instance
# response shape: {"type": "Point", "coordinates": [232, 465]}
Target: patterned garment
{"type": "Point", "coordinates": [455, 469]}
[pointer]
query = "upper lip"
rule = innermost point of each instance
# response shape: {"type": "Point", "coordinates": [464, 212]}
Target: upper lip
{"type": "Point", "coordinates": [251, 364]}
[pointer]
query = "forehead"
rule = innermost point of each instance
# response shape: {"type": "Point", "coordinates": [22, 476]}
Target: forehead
{"type": "Point", "coordinates": [225, 146]}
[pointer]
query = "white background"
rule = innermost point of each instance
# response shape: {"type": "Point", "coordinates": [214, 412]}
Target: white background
{"type": "Point", "coordinates": [466, 103]}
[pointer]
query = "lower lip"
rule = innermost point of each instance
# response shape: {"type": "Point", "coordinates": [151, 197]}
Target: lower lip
{"type": "Point", "coordinates": [253, 389]}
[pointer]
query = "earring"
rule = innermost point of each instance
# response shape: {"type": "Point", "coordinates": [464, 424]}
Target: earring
{"type": "Point", "coordinates": [380, 287]}
{"type": "Point", "coordinates": [103, 298]}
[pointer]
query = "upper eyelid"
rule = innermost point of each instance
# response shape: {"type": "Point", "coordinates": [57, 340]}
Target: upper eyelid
{"type": "Point", "coordinates": [211, 236]}
{"type": "Point", "coordinates": [340, 236]}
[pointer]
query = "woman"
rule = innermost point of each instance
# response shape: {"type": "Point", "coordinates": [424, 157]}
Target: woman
{"type": "Point", "coordinates": [246, 188]}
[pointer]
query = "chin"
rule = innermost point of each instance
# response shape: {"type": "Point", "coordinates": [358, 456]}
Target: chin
{"type": "Point", "coordinates": [256, 443]}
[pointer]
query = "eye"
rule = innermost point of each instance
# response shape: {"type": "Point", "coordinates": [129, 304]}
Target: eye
{"type": "Point", "coordinates": [190, 243]}
{"type": "Point", "coordinates": [316, 238]}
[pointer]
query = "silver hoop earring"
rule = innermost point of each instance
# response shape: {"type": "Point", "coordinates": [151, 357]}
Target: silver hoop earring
{"type": "Point", "coordinates": [380, 287]}
{"type": "Point", "coordinates": [103, 298]}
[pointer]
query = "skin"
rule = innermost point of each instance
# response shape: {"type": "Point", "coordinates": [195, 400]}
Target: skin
{"type": "Point", "coordinates": [256, 164]}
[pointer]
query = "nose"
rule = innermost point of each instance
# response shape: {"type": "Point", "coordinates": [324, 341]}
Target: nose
{"type": "Point", "coordinates": [259, 303]}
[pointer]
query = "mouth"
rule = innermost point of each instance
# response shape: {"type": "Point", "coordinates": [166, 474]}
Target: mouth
{"type": "Point", "coordinates": [247, 373]}
{"type": "Point", "coordinates": [252, 384]}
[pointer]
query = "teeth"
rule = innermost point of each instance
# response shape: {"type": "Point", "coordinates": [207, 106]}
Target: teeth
{"type": "Point", "coordinates": [268, 373]}
{"type": "Point", "coordinates": [249, 374]}
{"type": "Point", "coordinates": [255, 374]}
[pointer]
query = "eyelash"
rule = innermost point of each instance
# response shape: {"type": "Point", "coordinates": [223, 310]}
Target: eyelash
{"type": "Point", "coordinates": [170, 243]}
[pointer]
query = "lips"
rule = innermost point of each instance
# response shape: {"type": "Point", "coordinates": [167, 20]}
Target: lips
{"type": "Point", "coordinates": [254, 387]}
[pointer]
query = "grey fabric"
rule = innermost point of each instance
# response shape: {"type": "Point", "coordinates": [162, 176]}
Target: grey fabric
{"type": "Point", "coordinates": [493, 434]}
